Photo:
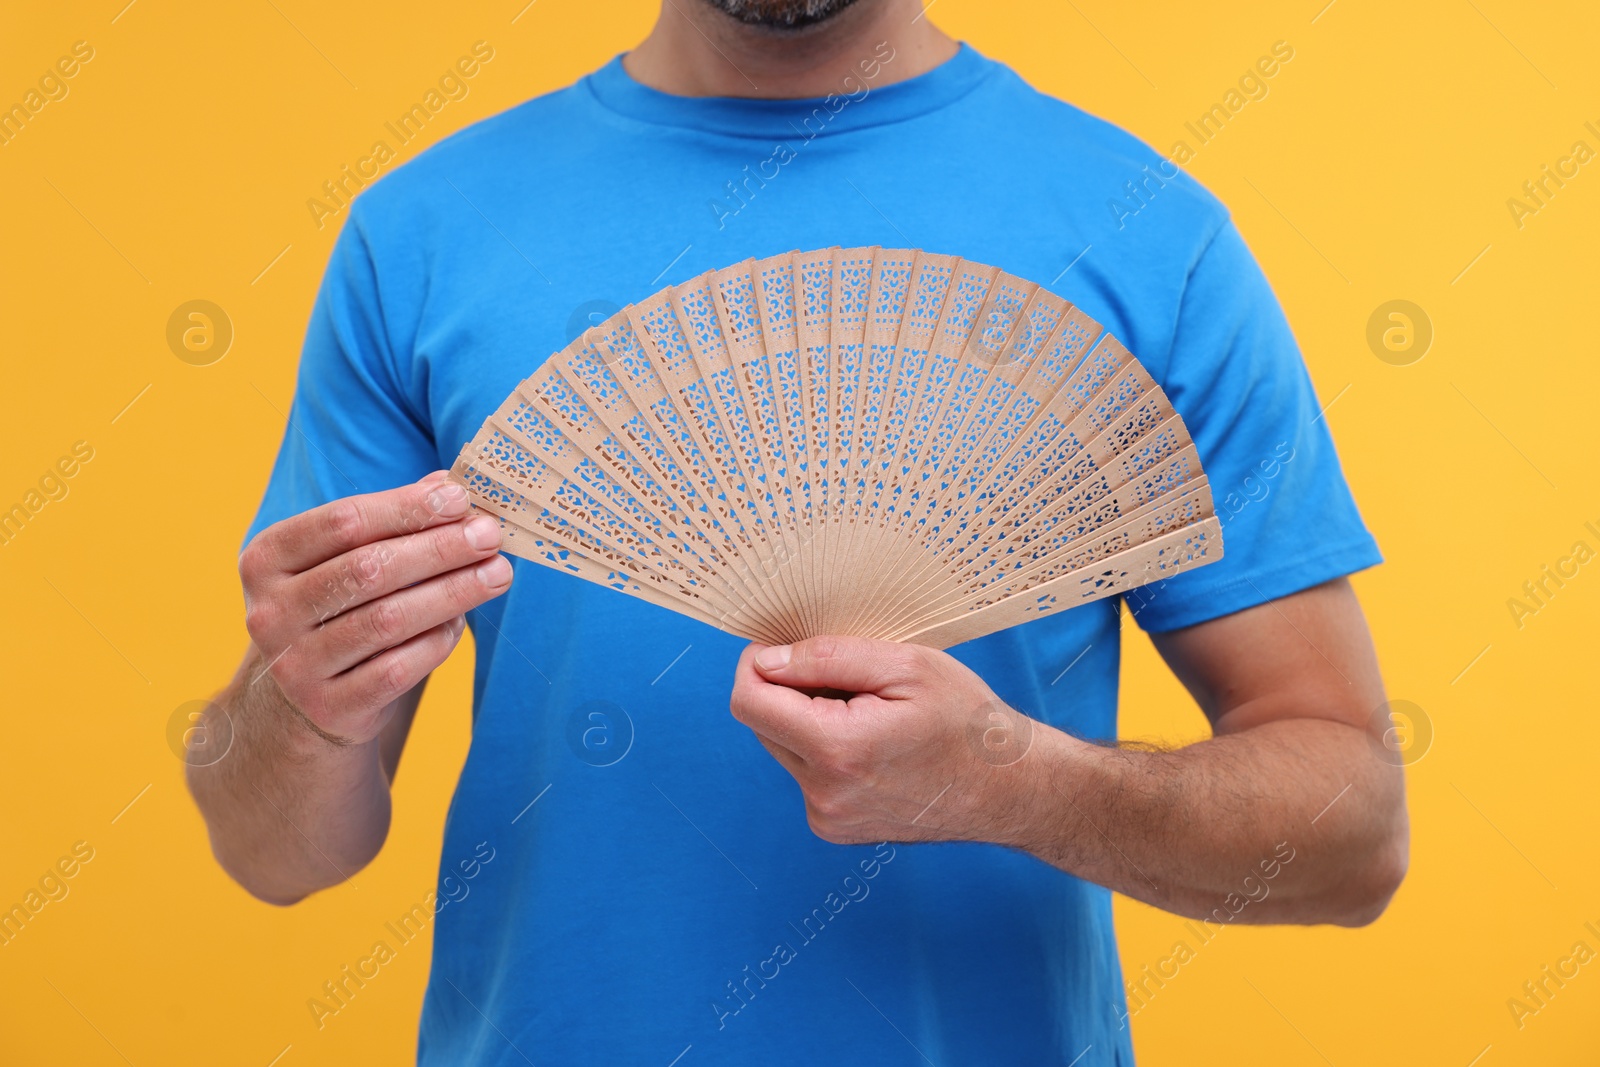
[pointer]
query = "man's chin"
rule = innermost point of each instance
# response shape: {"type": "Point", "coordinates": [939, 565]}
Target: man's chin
{"type": "Point", "coordinates": [780, 14]}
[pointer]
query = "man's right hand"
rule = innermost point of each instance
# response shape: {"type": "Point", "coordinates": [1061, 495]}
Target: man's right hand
{"type": "Point", "coordinates": [349, 607]}
{"type": "Point", "coordinates": [353, 603]}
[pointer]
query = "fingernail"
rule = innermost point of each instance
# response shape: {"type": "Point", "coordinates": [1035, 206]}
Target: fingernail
{"type": "Point", "coordinates": [457, 624]}
{"type": "Point", "coordinates": [494, 573]}
{"type": "Point", "coordinates": [482, 532]}
{"type": "Point", "coordinates": [775, 658]}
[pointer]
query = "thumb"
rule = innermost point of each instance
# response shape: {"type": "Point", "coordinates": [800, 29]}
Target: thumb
{"type": "Point", "coordinates": [847, 664]}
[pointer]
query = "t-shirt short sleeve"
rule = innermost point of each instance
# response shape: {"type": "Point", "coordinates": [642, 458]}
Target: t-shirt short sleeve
{"type": "Point", "coordinates": [1236, 376]}
{"type": "Point", "coordinates": [352, 426]}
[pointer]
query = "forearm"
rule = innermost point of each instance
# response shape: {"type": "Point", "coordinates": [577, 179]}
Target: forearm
{"type": "Point", "coordinates": [288, 811]}
{"type": "Point", "coordinates": [1291, 821]}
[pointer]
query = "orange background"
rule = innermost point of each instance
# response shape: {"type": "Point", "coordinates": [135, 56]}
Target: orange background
{"type": "Point", "coordinates": [1378, 167]}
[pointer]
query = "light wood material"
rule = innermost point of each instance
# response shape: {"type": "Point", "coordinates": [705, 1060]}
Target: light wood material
{"type": "Point", "coordinates": [872, 441]}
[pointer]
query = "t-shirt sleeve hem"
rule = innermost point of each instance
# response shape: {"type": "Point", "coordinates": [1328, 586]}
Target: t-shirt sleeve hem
{"type": "Point", "coordinates": [1205, 602]}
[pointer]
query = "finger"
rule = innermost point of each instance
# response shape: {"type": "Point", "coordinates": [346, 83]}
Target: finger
{"type": "Point", "coordinates": [389, 621]}
{"type": "Point", "coordinates": [396, 671]}
{"type": "Point", "coordinates": [851, 664]}
{"type": "Point", "coordinates": [776, 713]}
{"type": "Point", "coordinates": [364, 574]}
{"type": "Point", "coordinates": [302, 541]}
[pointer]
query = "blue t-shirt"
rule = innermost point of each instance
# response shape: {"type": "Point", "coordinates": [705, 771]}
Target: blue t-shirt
{"type": "Point", "coordinates": [665, 893]}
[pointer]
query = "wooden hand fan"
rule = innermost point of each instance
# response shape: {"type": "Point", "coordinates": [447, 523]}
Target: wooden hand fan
{"type": "Point", "coordinates": [870, 441]}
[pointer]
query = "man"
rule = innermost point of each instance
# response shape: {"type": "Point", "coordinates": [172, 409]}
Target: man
{"type": "Point", "coordinates": [937, 889]}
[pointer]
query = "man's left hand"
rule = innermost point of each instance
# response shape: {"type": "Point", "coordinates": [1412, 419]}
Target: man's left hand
{"type": "Point", "coordinates": [922, 749]}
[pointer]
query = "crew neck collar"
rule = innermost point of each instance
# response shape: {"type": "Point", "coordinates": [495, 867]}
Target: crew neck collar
{"type": "Point", "coordinates": [614, 88]}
